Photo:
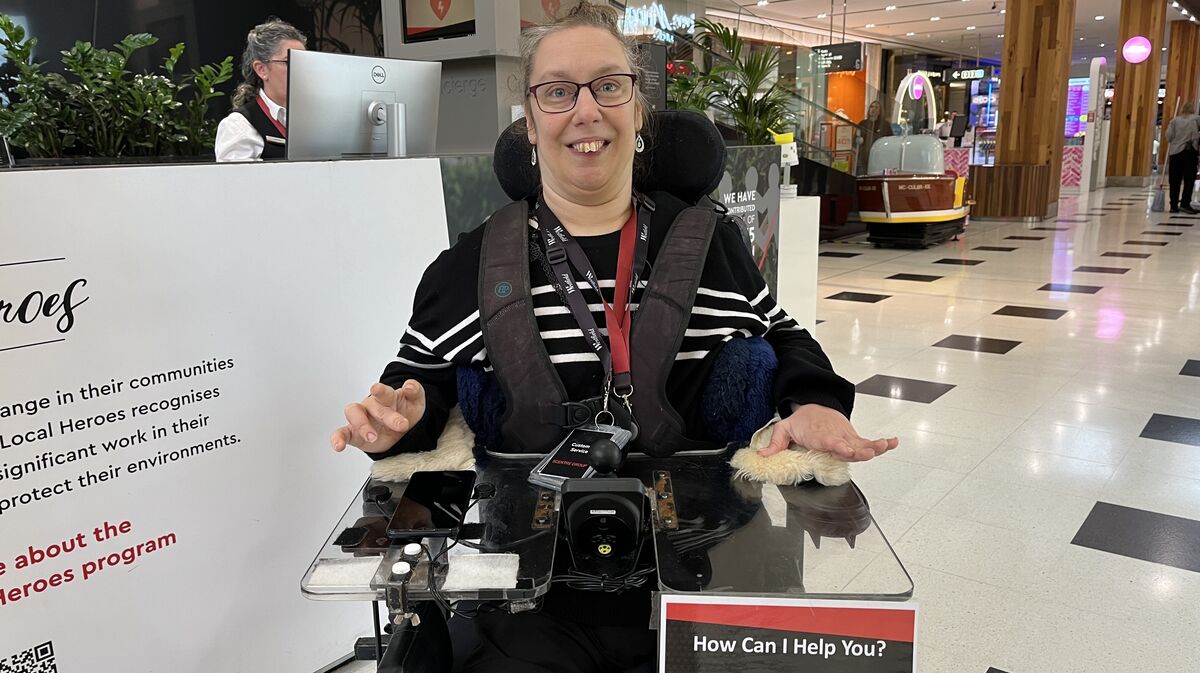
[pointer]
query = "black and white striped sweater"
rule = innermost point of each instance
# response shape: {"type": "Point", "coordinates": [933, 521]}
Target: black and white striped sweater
{"type": "Point", "coordinates": [733, 302]}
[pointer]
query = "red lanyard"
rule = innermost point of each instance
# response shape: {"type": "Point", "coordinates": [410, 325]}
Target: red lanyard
{"type": "Point", "coordinates": [561, 247]}
{"type": "Point", "coordinates": [267, 111]}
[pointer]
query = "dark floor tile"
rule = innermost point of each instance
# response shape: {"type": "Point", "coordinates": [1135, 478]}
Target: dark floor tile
{"type": "Point", "coordinates": [1190, 368]}
{"type": "Point", "coordinates": [1185, 217]}
{"type": "Point", "coordinates": [995, 248]}
{"type": "Point", "coordinates": [1050, 229]}
{"type": "Point", "coordinates": [1101, 269]}
{"type": "Point", "coordinates": [858, 296]}
{"type": "Point", "coordinates": [1162, 233]}
{"type": "Point", "coordinates": [994, 670]}
{"type": "Point", "coordinates": [1032, 312]}
{"type": "Point", "coordinates": [1158, 243]}
{"type": "Point", "coordinates": [840, 255]}
{"type": "Point", "coordinates": [977, 344]}
{"type": "Point", "coordinates": [820, 321]}
{"type": "Point", "coordinates": [914, 276]}
{"type": "Point", "coordinates": [1024, 238]}
{"type": "Point", "coordinates": [1127, 255]}
{"type": "Point", "coordinates": [910, 390]}
{"type": "Point", "coordinates": [960, 262]}
{"type": "Point", "coordinates": [1071, 287]}
{"type": "Point", "coordinates": [1108, 208]}
{"type": "Point", "coordinates": [1175, 224]}
{"type": "Point", "coordinates": [1137, 533]}
{"type": "Point", "coordinates": [1176, 429]}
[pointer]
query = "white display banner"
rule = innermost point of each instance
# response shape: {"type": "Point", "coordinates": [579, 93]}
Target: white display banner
{"type": "Point", "coordinates": [176, 345]}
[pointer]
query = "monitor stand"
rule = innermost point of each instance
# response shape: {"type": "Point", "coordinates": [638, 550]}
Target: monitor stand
{"type": "Point", "coordinates": [391, 114]}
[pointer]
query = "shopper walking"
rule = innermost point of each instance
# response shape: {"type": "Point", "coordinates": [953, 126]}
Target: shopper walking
{"type": "Point", "coordinates": [1183, 138]}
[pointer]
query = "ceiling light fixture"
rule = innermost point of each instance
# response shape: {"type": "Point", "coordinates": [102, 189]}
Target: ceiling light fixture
{"type": "Point", "coordinates": [1100, 18]}
{"type": "Point", "coordinates": [869, 25]}
{"type": "Point", "coordinates": [822, 15]}
{"type": "Point", "coordinates": [909, 34]}
{"type": "Point", "coordinates": [970, 27]}
{"type": "Point", "coordinates": [889, 8]}
{"type": "Point", "coordinates": [935, 18]}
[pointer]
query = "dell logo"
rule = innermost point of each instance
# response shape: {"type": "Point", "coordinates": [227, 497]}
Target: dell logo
{"type": "Point", "coordinates": [378, 74]}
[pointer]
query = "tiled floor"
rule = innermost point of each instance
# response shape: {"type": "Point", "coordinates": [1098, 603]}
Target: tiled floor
{"type": "Point", "coordinates": [1046, 492]}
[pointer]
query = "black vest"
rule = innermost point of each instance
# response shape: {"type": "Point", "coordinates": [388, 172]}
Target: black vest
{"type": "Point", "coordinates": [533, 391]}
{"type": "Point", "coordinates": [272, 148]}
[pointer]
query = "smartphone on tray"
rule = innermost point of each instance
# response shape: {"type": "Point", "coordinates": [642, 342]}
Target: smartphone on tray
{"type": "Point", "coordinates": [433, 505]}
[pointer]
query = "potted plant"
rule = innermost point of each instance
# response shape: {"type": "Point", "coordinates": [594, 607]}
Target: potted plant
{"type": "Point", "coordinates": [743, 84]}
{"type": "Point", "coordinates": [101, 110]}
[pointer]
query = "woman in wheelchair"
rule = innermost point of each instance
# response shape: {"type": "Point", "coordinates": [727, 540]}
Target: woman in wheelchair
{"type": "Point", "coordinates": [587, 293]}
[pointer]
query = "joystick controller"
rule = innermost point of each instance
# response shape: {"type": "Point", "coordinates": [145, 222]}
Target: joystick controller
{"type": "Point", "coordinates": [605, 456]}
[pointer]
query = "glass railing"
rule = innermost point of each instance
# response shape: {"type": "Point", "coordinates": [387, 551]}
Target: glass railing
{"type": "Point", "coordinates": [824, 100]}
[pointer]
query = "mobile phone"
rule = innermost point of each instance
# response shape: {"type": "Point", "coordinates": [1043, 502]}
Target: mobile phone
{"type": "Point", "coordinates": [433, 505]}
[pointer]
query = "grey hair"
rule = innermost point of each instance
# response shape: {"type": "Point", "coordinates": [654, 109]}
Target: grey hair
{"type": "Point", "coordinates": [586, 14]}
{"type": "Point", "coordinates": [1188, 108]}
{"type": "Point", "coordinates": [261, 44]}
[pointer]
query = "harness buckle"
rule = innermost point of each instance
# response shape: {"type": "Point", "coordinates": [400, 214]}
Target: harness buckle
{"type": "Point", "coordinates": [556, 255]}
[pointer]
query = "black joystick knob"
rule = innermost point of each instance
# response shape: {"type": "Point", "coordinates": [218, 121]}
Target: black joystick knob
{"type": "Point", "coordinates": [605, 456]}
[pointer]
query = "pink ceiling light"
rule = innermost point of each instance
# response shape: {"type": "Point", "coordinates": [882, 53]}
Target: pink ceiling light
{"type": "Point", "coordinates": [1137, 49]}
{"type": "Point", "coordinates": [918, 88]}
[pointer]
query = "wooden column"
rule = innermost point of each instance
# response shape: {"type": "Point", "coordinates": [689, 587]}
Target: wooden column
{"type": "Point", "coordinates": [1183, 74]}
{"type": "Point", "coordinates": [1135, 103]}
{"type": "Point", "coordinates": [1032, 113]}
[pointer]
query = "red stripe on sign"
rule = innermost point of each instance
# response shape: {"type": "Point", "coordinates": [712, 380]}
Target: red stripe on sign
{"type": "Point", "coordinates": [872, 624]}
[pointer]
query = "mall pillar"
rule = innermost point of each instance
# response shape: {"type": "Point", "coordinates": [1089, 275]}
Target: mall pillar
{"type": "Point", "coordinates": [1035, 66]}
{"type": "Point", "coordinates": [1135, 101]}
{"type": "Point", "coordinates": [1183, 74]}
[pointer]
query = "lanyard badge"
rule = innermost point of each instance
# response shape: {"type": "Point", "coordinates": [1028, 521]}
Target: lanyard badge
{"type": "Point", "coordinates": [563, 252]}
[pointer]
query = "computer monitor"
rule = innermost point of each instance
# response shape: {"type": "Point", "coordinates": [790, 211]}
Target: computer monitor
{"type": "Point", "coordinates": [334, 103]}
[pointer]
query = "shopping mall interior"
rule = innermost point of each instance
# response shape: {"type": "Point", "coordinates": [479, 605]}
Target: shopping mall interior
{"type": "Point", "coordinates": [980, 209]}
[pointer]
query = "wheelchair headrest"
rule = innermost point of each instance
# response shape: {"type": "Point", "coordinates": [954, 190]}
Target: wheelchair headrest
{"type": "Point", "coordinates": [684, 156]}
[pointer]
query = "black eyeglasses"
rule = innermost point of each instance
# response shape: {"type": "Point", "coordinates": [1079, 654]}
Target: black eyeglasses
{"type": "Point", "coordinates": [277, 60]}
{"type": "Point", "coordinates": [607, 90]}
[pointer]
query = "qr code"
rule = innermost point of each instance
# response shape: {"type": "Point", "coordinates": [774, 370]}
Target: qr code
{"type": "Point", "coordinates": [38, 659]}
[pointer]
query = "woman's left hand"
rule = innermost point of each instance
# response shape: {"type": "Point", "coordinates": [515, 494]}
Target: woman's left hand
{"type": "Point", "coordinates": [819, 428]}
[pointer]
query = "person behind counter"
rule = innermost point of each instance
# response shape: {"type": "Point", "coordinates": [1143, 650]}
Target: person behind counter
{"type": "Point", "coordinates": [256, 129]}
{"type": "Point", "coordinates": [873, 127]}
{"type": "Point", "coordinates": [585, 123]}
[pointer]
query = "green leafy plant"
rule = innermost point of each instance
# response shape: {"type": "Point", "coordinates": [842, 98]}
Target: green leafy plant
{"type": "Point", "coordinates": [100, 108]}
{"type": "Point", "coordinates": [690, 89]}
{"type": "Point", "coordinates": [744, 86]}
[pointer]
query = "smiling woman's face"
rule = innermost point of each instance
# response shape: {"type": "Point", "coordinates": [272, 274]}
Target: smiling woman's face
{"type": "Point", "coordinates": [586, 154]}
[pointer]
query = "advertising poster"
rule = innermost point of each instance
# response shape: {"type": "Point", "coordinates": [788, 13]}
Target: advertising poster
{"type": "Point", "coordinates": [1077, 106]}
{"type": "Point", "coordinates": [713, 634]}
{"type": "Point", "coordinates": [749, 190]}
{"type": "Point", "coordinates": [173, 358]}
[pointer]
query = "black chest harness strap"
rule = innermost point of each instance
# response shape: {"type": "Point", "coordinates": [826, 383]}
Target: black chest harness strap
{"type": "Point", "coordinates": [537, 407]}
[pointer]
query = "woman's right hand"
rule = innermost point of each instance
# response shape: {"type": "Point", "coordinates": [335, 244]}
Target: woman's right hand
{"type": "Point", "coordinates": [378, 422]}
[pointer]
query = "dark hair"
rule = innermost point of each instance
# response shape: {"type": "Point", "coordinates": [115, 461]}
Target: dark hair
{"type": "Point", "coordinates": [261, 44]}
